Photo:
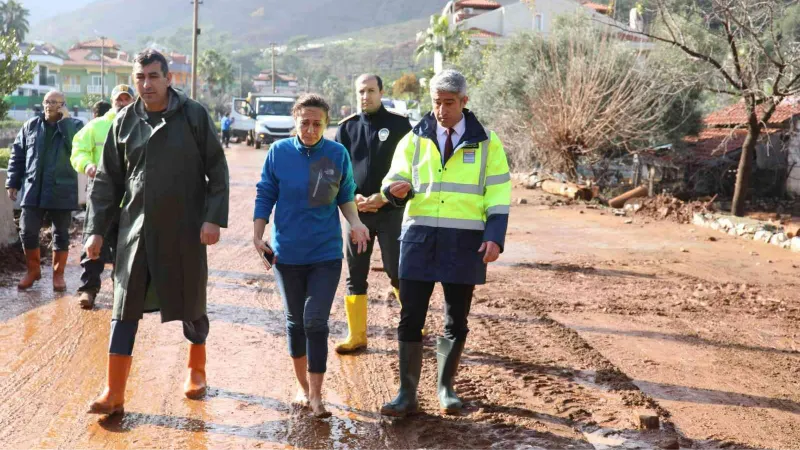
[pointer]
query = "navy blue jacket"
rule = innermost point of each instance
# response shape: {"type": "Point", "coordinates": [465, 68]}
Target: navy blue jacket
{"type": "Point", "coordinates": [371, 140]}
{"type": "Point", "coordinates": [46, 179]}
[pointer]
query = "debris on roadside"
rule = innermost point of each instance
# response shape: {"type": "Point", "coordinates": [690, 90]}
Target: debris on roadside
{"type": "Point", "coordinates": [619, 201]}
{"type": "Point", "coordinates": [569, 190]}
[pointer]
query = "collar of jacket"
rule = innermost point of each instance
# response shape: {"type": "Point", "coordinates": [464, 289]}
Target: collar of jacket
{"type": "Point", "coordinates": [176, 101]}
{"type": "Point", "coordinates": [302, 148]}
{"type": "Point", "coordinates": [473, 133]}
{"type": "Point", "coordinates": [376, 115]}
{"type": "Point", "coordinates": [64, 126]}
{"type": "Point", "coordinates": [110, 115]}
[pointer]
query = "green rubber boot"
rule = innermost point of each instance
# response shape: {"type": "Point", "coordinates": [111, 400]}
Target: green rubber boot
{"type": "Point", "coordinates": [410, 367]}
{"type": "Point", "coordinates": [448, 356]}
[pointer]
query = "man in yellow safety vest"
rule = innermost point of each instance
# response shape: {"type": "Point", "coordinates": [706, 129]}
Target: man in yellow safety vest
{"type": "Point", "coordinates": [452, 176]}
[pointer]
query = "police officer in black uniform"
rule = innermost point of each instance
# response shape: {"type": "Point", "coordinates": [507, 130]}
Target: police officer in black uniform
{"type": "Point", "coordinates": [371, 138]}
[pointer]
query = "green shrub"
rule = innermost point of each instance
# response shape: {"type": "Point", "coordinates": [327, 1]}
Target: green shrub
{"type": "Point", "coordinates": [5, 154]}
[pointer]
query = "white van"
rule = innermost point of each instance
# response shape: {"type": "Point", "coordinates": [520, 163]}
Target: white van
{"type": "Point", "coordinates": [262, 119]}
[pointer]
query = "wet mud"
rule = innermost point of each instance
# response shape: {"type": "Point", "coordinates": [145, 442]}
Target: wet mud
{"type": "Point", "coordinates": [584, 322]}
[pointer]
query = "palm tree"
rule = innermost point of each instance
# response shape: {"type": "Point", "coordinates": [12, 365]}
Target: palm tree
{"type": "Point", "coordinates": [216, 70]}
{"type": "Point", "coordinates": [439, 37]}
{"type": "Point", "coordinates": [14, 18]}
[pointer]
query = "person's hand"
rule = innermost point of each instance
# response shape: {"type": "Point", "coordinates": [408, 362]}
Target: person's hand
{"type": "Point", "coordinates": [359, 235]}
{"type": "Point", "coordinates": [492, 251]}
{"type": "Point", "coordinates": [371, 204]}
{"type": "Point", "coordinates": [261, 248]}
{"type": "Point", "coordinates": [12, 194]}
{"type": "Point", "coordinates": [359, 199]}
{"type": "Point", "coordinates": [93, 246]}
{"type": "Point", "coordinates": [209, 234]}
{"type": "Point", "coordinates": [91, 170]}
{"type": "Point", "coordinates": [400, 188]}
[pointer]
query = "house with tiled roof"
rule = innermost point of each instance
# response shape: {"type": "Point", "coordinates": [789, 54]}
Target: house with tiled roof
{"type": "Point", "coordinates": [777, 155]}
{"type": "Point", "coordinates": [498, 22]}
{"type": "Point", "coordinates": [284, 82]}
{"type": "Point", "coordinates": [47, 61]}
{"type": "Point", "coordinates": [81, 73]}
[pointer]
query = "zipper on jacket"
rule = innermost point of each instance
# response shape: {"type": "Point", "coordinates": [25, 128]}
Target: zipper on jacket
{"type": "Point", "coordinates": [316, 188]}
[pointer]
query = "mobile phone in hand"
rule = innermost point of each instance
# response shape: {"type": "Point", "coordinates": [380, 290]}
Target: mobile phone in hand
{"type": "Point", "coordinates": [268, 257]}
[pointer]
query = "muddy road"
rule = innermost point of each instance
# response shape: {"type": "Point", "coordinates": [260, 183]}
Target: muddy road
{"type": "Point", "coordinates": [585, 320]}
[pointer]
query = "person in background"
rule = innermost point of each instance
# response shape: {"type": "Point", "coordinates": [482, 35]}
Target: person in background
{"type": "Point", "coordinates": [371, 138]}
{"type": "Point", "coordinates": [226, 129]}
{"type": "Point", "coordinates": [87, 149]}
{"type": "Point", "coordinates": [307, 179]}
{"type": "Point", "coordinates": [39, 166]}
{"type": "Point", "coordinates": [99, 109]}
{"type": "Point", "coordinates": [451, 174]}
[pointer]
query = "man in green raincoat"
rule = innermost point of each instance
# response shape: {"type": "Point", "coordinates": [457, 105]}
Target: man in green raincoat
{"type": "Point", "coordinates": [163, 166]}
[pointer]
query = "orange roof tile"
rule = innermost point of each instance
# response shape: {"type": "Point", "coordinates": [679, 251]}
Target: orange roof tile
{"type": "Point", "coordinates": [602, 9]}
{"type": "Point", "coordinates": [481, 33]}
{"type": "Point", "coordinates": [96, 43]}
{"type": "Point", "coordinates": [737, 115]}
{"type": "Point", "coordinates": [480, 4]}
{"type": "Point", "coordinates": [712, 143]}
{"type": "Point", "coordinates": [77, 57]}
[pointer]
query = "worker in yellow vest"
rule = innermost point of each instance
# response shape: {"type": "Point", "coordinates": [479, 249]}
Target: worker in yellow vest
{"type": "Point", "coordinates": [452, 176]}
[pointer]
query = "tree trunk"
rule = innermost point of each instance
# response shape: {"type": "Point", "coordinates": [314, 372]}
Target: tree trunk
{"type": "Point", "coordinates": [745, 166]}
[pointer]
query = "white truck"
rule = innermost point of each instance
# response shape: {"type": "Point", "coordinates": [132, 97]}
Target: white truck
{"type": "Point", "coordinates": [261, 119]}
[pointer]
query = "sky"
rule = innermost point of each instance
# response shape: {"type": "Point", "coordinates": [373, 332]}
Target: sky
{"type": "Point", "coordinates": [44, 9]}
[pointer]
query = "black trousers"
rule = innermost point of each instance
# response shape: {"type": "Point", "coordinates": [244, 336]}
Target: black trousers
{"type": "Point", "coordinates": [93, 268]}
{"type": "Point", "coordinates": [384, 225]}
{"type": "Point", "coordinates": [226, 137]}
{"type": "Point", "coordinates": [415, 297]}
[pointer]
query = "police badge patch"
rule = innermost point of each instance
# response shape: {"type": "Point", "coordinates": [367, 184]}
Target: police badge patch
{"type": "Point", "coordinates": [383, 135]}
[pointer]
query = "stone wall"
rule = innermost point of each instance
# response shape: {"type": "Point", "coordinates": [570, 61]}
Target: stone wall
{"type": "Point", "coordinates": [8, 231]}
{"type": "Point", "coordinates": [766, 232]}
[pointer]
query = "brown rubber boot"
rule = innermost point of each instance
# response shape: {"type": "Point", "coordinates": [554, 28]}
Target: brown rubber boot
{"type": "Point", "coordinates": [33, 262]}
{"type": "Point", "coordinates": [87, 299]}
{"type": "Point", "coordinates": [112, 400]}
{"type": "Point", "coordinates": [195, 385]}
{"type": "Point", "coordinates": [59, 263]}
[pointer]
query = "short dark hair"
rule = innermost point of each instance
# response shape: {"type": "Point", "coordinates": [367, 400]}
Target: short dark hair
{"type": "Point", "coordinates": [149, 56]}
{"type": "Point", "coordinates": [101, 108]}
{"type": "Point", "coordinates": [368, 76]}
{"type": "Point", "coordinates": [311, 101]}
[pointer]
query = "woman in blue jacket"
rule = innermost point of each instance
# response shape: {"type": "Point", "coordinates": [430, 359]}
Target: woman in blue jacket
{"type": "Point", "coordinates": [305, 178]}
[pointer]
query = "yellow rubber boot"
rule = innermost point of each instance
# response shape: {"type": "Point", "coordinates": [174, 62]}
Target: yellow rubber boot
{"type": "Point", "coordinates": [397, 296]}
{"type": "Point", "coordinates": [356, 308]}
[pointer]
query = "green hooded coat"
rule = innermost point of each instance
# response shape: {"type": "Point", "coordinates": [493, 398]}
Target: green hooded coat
{"type": "Point", "coordinates": [168, 180]}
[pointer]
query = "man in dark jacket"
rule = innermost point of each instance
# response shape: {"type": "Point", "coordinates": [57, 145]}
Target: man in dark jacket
{"type": "Point", "coordinates": [371, 138]}
{"type": "Point", "coordinates": [39, 167]}
{"type": "Point", "coordinates": [163, 162]}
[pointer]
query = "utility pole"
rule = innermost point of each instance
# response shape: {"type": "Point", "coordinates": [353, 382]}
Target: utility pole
{"type": "Point", "coordinates": [102, 67]}
{"type": "Point", "coordinates": [241, 86]}
{"type": "Point", "coordinates": [272, 46]}
{"type": "Point", "coordinates": [195, 32]}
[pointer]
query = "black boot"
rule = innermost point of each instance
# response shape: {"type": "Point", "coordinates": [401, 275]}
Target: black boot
{"type": "Point", "coordinates": [410, 367]}
{"type": "Point", "coordinates": [448, 355]}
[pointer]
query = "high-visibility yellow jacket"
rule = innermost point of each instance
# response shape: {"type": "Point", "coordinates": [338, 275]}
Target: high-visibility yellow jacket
{"type": "Point", "coordinates": [453, 209]}
{"type": "Point", "coordinates": [87, 145]}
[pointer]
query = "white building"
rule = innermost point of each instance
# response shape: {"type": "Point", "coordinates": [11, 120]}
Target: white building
{"type": "Point", "coordinates": [47, 60]}
{"type": "Point", "coordinates": [540, 16]}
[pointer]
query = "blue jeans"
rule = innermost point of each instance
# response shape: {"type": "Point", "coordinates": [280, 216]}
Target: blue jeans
{"type": "Point", "coordinates": [123, 334]}
{"type": "Point", "coordinates": [308, 292]}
